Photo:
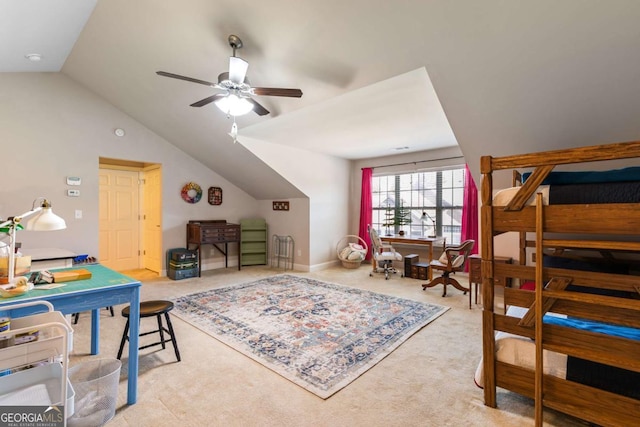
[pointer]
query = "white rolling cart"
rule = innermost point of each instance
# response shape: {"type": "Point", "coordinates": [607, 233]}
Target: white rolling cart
{"type": "Point", "coordinates": [45, 381]}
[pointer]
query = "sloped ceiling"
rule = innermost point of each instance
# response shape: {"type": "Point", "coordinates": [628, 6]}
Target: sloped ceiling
{"type": "Point", "coordinates": [507, 76]}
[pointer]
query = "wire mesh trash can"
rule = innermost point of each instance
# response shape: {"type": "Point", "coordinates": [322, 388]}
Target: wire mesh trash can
{"type": "Point", "coordinates": [96, 385]}
{"type": "Point", "coordinates": [282, 252]}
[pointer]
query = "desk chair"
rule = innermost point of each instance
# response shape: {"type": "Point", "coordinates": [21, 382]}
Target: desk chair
{"type": "Point", "coordinates": [383, 255]}
{"type": "Point", "coordinates": [452, 260]}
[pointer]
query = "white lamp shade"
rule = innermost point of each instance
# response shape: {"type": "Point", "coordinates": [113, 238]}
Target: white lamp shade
{"type": "Point", "coordinates": [234, 105]}
{"type": "Point", "coordinates": [46, 220]}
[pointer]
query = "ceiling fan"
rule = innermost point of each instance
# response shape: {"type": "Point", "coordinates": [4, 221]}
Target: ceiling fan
{"type": "Point", "coordinates": [236, 98]}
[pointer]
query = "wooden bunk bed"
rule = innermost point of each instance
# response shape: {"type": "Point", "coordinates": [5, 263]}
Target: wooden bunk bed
{"type": "Point", "coordinates": [611, 229]}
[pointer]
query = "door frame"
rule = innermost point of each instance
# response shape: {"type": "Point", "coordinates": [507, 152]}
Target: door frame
{"type": "Point", "coordinates": [141, 168]}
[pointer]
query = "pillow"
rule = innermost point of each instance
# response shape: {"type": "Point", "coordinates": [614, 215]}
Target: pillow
{"type": "Point", "coordinates": [443, 258]}
{"type": "Point", "coordinates": [457, 262]}
{"type": "Point", "coordinates": [344, 254]}
{"type": "Point", "coordinates": [355, 256]}
{"type": "Point", "coordinates": [356, 247]}
{"type": "Point", "coordinates": [528, 286]}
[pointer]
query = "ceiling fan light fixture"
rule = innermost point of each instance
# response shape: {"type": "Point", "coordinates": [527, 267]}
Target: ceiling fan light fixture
{"type": "Point", "coordinates": [237, 96]}
{"type": "Point", "coordinates": [234, 105]}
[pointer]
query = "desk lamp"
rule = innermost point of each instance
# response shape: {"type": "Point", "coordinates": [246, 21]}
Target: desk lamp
{"type": "Point", "coordinates": [46, 220]}
{"type": "Point", "coordinates": [426, 217]}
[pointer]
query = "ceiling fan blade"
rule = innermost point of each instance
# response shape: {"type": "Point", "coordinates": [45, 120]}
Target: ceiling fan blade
{"type": "Point", "coordinates": [237, 69]}
{"type": "Point", "coordinates": [257, 108]}
{"type": "Point", "coordinates": [188, 79]}
{"type": "Point", "coordinates": [208, 100]}
{"type": "Point", "coordinates": [272, 91]}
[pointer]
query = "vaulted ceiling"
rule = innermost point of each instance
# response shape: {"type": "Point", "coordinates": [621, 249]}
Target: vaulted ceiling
{"type": "Point", "coordinates": [494, 76]}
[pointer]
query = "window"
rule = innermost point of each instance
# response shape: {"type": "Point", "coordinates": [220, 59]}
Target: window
{"type": "Point", "coordinates": [438, 193]}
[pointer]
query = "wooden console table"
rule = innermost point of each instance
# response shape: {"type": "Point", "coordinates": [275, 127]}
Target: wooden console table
{"type": "Point", "coordinates": [213, 232]}
{"type": "Point", "coordinates": [475, 274]}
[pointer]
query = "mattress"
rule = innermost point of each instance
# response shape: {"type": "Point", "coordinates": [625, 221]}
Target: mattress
{"type": "Point", "coordinates": [503, 197]}
{"type": "Point", "coordinates": [521, 351]}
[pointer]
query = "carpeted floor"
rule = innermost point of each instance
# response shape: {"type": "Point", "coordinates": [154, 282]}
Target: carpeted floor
{"type": "Point", "coordinates": [427, 381]}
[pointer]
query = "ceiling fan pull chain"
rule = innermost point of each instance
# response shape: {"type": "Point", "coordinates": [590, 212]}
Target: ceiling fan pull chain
{"type": "Point", "coordinates": [234, 130]}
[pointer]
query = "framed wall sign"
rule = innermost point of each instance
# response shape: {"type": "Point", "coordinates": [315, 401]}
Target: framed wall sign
{"type": "Point", "coordinates": [280, 206]}
{"type": "Point", "coordinates": [215, 195]}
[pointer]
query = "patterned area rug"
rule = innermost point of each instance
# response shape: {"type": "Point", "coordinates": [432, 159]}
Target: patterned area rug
{"type": "Point", "coordinates": [319, 335]}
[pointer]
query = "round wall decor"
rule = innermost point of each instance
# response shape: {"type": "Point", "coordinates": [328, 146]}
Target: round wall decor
{"type": "Point", "coordinates": [191, 193]}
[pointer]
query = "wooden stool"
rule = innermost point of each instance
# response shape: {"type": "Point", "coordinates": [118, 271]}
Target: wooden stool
{"type": "Point", "coordinates": [149, 309]}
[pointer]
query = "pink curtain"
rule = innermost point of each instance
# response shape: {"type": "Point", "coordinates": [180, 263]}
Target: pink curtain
{"type": "Point", "coordinates": [470, 210]}
{"type": "Point", "coordinates": [366, 207]}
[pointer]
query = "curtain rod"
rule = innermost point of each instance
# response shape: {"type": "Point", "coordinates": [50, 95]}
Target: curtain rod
{"type": "Point", "coordinates": [416, 163]}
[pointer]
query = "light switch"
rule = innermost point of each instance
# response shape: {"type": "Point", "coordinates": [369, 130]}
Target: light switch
{"type": "Point", "coordinates": [73, 193]}
{"type": "Point", "coordinates": [78, 214]}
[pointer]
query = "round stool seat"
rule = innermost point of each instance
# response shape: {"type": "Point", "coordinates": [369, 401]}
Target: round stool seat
{"type": "Point", "coordinates": [151, 308]}
{"type": "Point", "coordinates": [157, 309]}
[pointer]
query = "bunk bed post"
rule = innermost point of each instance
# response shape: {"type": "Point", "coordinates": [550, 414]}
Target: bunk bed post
{"type": "Point", "coordinates": [523, 248]}
{"type": "Point", "coordinates": [486, 240]}
{"type": "Point", "coordinates": [538, 393]}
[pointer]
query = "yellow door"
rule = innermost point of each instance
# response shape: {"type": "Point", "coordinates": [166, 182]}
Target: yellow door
{"type": "Point", "coordinates": [152, 220]}
{"type": "Point", "coordinates": [119, 222]}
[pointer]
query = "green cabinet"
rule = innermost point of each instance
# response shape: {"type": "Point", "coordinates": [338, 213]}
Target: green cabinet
{"type": "Point", "coordinates": [253, 242]}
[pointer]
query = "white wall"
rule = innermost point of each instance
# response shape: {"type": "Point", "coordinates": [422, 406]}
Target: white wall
{"type": "Point", "coordinates": [325, 180]}
{"type": "Point", "coordinates": [51, 128]}
{"type": "Point", "coordinates": [294, 223]}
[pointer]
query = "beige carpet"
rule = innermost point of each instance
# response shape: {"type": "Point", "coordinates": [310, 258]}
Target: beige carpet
{"type": "Point", "coordinates": [428, 381]}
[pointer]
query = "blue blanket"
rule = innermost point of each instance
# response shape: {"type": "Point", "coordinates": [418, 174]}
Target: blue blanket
{"type": "Point", "coordinates": [598, 375]}
{"type": "Point", "coordinates": [593, 326]}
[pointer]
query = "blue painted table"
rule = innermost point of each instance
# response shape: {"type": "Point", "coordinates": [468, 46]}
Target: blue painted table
{"type": "Point", "coordinates": [105, 288]}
